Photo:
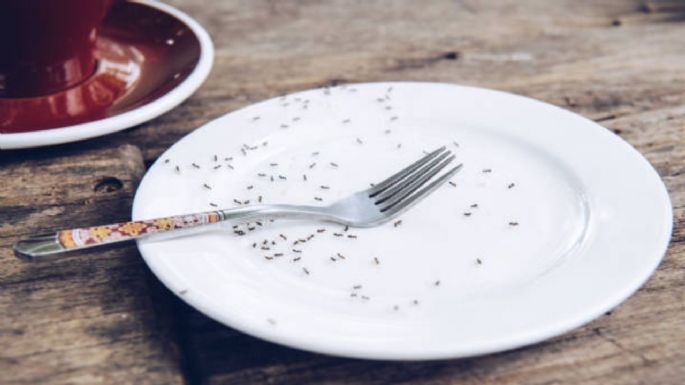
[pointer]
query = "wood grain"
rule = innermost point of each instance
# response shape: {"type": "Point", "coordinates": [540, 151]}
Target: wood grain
{"type": "Point", "coordinates": [85, 318]}
{"type": "Point", "coordinates": [101, 317]}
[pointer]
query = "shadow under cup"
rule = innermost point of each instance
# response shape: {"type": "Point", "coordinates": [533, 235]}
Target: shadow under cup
{"type": "Point", "coordinates": [47, 46]}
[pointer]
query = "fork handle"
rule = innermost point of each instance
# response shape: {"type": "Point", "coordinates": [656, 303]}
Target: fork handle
{"type": "Point", "coordinates": [35, 247]}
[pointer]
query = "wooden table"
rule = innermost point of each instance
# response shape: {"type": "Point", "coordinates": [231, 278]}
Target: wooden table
{"type": "Point", "coordinates": [101, 317]}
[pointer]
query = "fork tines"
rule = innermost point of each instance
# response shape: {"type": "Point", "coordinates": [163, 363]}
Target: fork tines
{"type": "Point", "coordinates": [416, 181]}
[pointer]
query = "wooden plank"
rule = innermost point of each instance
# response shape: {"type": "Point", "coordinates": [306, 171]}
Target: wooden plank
{"type": "Point", "coordinates": [88, 317]}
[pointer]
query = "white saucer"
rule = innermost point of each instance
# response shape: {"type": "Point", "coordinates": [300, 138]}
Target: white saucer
{"type": "Point", "coordinates": [121, 118]}
{"type": "Point", "coordinates": [570, 221]}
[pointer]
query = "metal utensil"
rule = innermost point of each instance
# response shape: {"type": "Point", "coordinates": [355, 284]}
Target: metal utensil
{"type": "Point", "coordinates": [366, 208]}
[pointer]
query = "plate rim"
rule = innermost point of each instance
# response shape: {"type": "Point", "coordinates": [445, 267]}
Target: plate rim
{"type": "Point", "coordinates": [146, 112]}
{"type": "Point", "coordinates": [448, 351]}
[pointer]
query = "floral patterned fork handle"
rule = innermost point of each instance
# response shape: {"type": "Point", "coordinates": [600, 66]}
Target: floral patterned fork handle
{"type": "Point", "coordinates": [86, 237]}
{"type": "Point", "coordinates": [36, 247]}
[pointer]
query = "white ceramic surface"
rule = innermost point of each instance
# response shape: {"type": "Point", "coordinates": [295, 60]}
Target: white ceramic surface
{"type": "Point", "coordinates": [136, 116]}
{"type": "Point", "coordinates": [570, 220]}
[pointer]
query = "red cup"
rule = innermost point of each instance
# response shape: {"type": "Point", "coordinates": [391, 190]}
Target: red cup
{"type": "Point", "coordinates": [47, 45]}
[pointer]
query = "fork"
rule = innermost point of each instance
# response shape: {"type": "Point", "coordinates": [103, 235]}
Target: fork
{"type": "Point", "coordinates": [371, 207]}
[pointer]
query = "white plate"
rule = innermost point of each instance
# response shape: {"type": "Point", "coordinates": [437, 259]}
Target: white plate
{"type": "Point", "coordinates": [133, 117]}
{"type": "Point", "coordinates": [594, 220]}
